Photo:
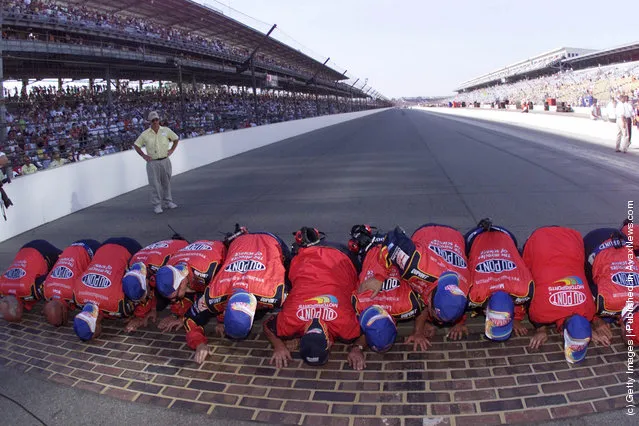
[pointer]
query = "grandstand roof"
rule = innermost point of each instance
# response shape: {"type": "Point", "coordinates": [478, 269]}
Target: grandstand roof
{"type": "Point", "coordinates": [207, 22]}
{"type": "Point", "coordinates": [628, 52]}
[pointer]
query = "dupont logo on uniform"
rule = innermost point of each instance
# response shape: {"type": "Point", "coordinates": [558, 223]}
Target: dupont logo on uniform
{"type": "Point", "coordinates": [62, 272]}
{"type": "Point", "coordinates": [242, 266]}
{"type": "Point", "coordinates": [390, 284]}
{"type": "Point", "coordinates": [626, 279]}
{"type": "Point", "coordinates": [96, 281]}
{"type": "Point", "coordinates": [320, 307]}
{"type": "Point", "coordinates": [157, 245]}
{"type": "Point", "coordinates": [567, 298]}
{"type": "Point", "coordinates": [15, 273]}
{"type": "Point", "coordinates": [197, 246]}
{"type": "Point", "coordinates": [449, 256]}
{"type": "Point", "coordinates": [495, 265]}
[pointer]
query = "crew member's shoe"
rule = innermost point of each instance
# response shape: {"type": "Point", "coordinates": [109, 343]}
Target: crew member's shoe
{"type": "Point", "coordinates": [171, 205]}
{"type": "Point", "coordinates": [158, 210]}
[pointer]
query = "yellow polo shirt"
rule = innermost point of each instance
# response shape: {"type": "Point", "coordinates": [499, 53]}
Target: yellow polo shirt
{"type": "Point", "coordinates": [157, 144]}
{"type": "Point", "coordinates": [29, 169]}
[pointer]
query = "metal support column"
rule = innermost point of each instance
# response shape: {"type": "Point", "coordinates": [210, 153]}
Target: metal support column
{"type": "Point", "coordinates": [256, 110]}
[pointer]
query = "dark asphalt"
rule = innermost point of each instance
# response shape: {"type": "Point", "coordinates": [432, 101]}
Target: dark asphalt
{"type": "Point", "coordinates": [395, 167]}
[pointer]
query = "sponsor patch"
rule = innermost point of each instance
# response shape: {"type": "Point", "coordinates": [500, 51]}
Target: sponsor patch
{"type": "Point", "coordinates": [197, 247]}
{"type": "Point", "coordinates": [390, 284]}
{"type": "Point", "coordinates": [321, 307]}
{"type": "Point", "coordinates": [626, 279]}
{"type": "Point", "coordinates": [243, 266]}
{"type": "Point", "coordinates": [15, 273]}
{"type": "Point", "coordinates": [454, 290]}
{"type": "Point", "coordinates": [449, 256]}
{"type": "Point", "coordinates": [567, 298]}
{"type": "Point", "coordinates": [158, 245]}
{"type": "Point", "coordinates": [96, 281]}
{"type": "Point", "coordinates": [62, 272]}
{"type": "Point", "coordinates": [495, 265]}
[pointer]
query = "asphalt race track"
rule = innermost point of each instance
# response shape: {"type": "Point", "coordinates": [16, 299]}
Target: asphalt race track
{"type": "Point", "coordinates": [396, 167]}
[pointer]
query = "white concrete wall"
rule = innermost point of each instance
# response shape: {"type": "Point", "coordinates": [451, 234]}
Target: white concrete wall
{"type": "Point", "coordinates": [599, 132]}
{"type": "Point", "coordinates": [52, 194]}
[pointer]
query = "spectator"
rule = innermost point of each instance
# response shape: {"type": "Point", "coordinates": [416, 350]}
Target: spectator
{"type": "Point", "coordinates": [28, 168]}
{"type": "Point", "coordinates": [595, 112]}
{"type": "Point", "coordinates": [84, 155]}
{"type": "Point", "coordinates": [57, 161]}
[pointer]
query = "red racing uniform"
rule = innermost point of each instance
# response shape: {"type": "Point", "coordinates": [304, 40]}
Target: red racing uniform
{"type": "Point", "coordinates": [154, 256]}
{"type": "Point", "coordinates": [255, 262]}
{"type": "Point", "coordinates": [24, 277]}
{"type": "Point", "coordinates": [71, 264]}
{"type": "Point", "coordinates": [496, 265]}
{"type": "Point", "coordinates": [323, 278]}
{"type": "Point", "coordinates": [556, 257]}
{"type": "Point", "coordinates": [614, 277]}
{"type": "Point", "coordinates": [101, 283]}
{"type": "Point", "coordinates": [396, 295]}
{"type": "Point", "coordinates": [204, 258]}
{"type": "Point", "coordinates": [432, 250]}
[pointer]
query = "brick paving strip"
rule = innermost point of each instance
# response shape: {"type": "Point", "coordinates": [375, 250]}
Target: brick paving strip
{"type": "Point", "coordinates": [470, 382]}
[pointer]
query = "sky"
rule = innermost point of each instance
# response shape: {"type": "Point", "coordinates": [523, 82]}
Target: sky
{"type": "Point", "coordinates": [427, 48]}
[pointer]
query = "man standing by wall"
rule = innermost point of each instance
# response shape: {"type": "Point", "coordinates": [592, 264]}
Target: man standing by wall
{"type": "Point", "coordinates": [624, 124]}
{"type": "Point", "coordinates": [156, 140]}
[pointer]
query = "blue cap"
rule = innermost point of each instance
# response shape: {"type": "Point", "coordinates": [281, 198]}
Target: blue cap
{"type": "Point", "coordinates": [499, 316]}
{"type": "Point", "coordinates": [134, 282]}
{"type": "Point", "coordinates": [314, 344]}
{"type": "Point", "coordinates": [577, 334]}
{"type": "Point", "coordinates": [378, 327]}
{"type": "Point", "coordinates": [168, 278]}
{"type": "Point", "coordinates": [449, 301]}
{"type": "Point", "coordinates": [239, 313]}
{"type": "Point", "coordinates": [85, 322]}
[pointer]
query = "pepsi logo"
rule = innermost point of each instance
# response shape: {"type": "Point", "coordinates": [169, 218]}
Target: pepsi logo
{"type": "Point", "coordinates": [15, 273]}
{"type": "Point", "coordinates": [626, 279]}
{"type": "Point", "coordinates": [197, 247]}
{"type": "Point", "coordinates": [158, 245]}
{"type": "Point", "coordinates": [62, 272]}
{"type": "Point", "coordinates": [96, 281]}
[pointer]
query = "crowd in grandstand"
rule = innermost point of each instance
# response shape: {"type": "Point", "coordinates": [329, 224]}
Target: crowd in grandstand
{"type": "Point", "coordinates": [81, 15]}
{"type": "Point", "coordinates": [577, 88]}
{"type": "Point", "coordinates": [48, 127]}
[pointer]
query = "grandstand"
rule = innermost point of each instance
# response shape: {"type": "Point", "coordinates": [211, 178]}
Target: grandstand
{"type": "Point", "coordinates": [209, 73]}
{"type": "Point", "coordinates": [577, 77]}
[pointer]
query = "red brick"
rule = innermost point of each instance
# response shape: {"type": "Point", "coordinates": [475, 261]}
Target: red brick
{"type": "Point", "coordinates": [131, 365]}
{"type": "Point", "coordinates": [120, 394]}
{"type": "Point", "coordinates": [404, 410]}
{"type": "Point", "coordinates": [560, 387]}
{"type": "Point", "coordinates": [484, 420]}
{"type": "Point", "coordinates": [599, 381]}
{"type": "Point", "coordinates": [572, 410]}
{"type": "Point", "coordinates": [325, 420]}
{"type": "Point", "coordinates": [218, 398]}
{"type": "Point", "coordinates": [527, 416]}
{"type": "Point", "coordinates": [359, 386]}
{"type": "Point", "coordinates": [518, 391]}
{"type": "Point", "coordinates": [536, 378]}
{"type": "Point", "coordinates": [190, 406]}
{"type": "Point", "coordinates": [377, 397]}
{"type": "Point", "coordinates": [573, 373]}
{"type": "Point", "coordinates": [474, 395]}
{"type": "Point", "coordinates": [386, 421]}
{"type": "Point", "coordinates": [495, 382]}
{"type": "Point", "coordinates": [540, 401]}
{"type": "Point", "coordinates": [501, 405]}
{"type": "Point", "coordinates": [180, 393]}
{"type": "Point", "coordinates": [306, 407]}
{"type": "Point", "coordinates": [289, 394]}
{"type": "Point", "coordinates": [450, 385]}
{"type": "Point", "coordinates": [334, 396]}
{"type": "Point", "coordinates": [171, 381]}
{"type": "Point", "coordinates": [378, 376]}
{"type": "Point", "coordinates": [314, 384]}
{"type": "Point", "coordinates": [354, 409]}
{"type": "Point", "coordinates": [585, 395]}
{"type": "Point", "coordinates": [202, 375]}
{"type": "Point", "coordinates": [86, 375]}
{"type": "Point", "coordinates": [426, 375]}
{"type": "Point", "coordinates": [269, 404]}
{"type": "Point", "coordinates": [487, 362]}
{"type": "Point", "coordinates": [271, 417]}
{"type": "Point", "coordinates": [246, 390]}
{"type": "Point", "coordinates": [63, 380]}
{"type": "Point", "coordinates": [609, 404]}
{"type": "Point", "coordinates": [145, 387]}
{"type": "Point", "coordinates": [154, 400]}
{"type": "Point", "coordinates": [448, 409]}
{"type": "Point", "coordinates": [416, 397]}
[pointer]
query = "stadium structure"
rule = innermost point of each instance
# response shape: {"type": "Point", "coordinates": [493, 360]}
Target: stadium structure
{"type": "Point", "coordinates": [40, 46]}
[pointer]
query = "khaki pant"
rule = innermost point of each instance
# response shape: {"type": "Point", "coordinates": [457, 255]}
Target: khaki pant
{"type": "Point", "coordinates": [159, 174]}
{"type": "Point", "coordinates": [623, 133]}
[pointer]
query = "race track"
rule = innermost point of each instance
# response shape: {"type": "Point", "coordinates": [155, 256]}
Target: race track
{"type": "Point", "coordinates": [396, 167]}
